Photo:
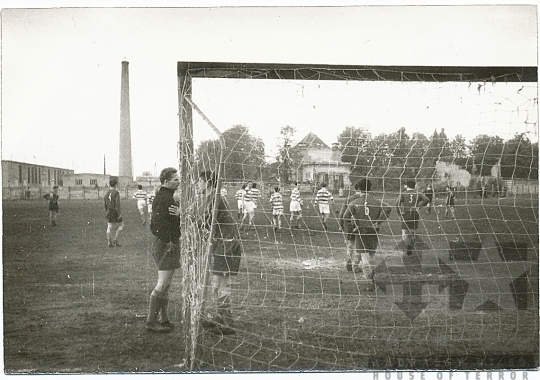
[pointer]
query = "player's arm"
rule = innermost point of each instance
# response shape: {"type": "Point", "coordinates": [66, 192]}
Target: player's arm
{"type": "Point", "coordinates": [422, 200]}
{"type": "Point", "coordinates": [399, 203]}
{"type": "Point", "coordinates": [346, 220]}
{"type": "Point", "coordinates": [118, 204]}
{"type": "Point", "coordinates": [341, 215]}
{"type": "Point", "coordinates": [386, 209]}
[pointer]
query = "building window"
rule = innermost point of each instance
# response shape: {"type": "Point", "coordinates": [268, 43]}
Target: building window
{"type": "Point", "coordinates": [93, 182]}
{"type": "Point", "coordinates": [78, 182]}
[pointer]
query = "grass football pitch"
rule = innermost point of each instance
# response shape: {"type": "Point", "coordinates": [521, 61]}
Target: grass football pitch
{"type": "Point", "coordinates": [467, 299]}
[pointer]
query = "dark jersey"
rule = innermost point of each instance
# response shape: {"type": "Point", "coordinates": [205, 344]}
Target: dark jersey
{"type": "Point", "coordinates": [365, 212]}
{"type": "Point", "coordinates": [429, 194]}
{"type": "Point", "coordinates": [53, 201]}
{"type": "Point", "coordinates": [164, 226]}
{"type": "Point", "coordinates": [410, 200]}
{"type": "Point", "coordinates": [112, 200]}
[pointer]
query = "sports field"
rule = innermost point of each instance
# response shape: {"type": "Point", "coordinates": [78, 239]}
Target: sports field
{"type": "Point", "coordinates": [467, 300]}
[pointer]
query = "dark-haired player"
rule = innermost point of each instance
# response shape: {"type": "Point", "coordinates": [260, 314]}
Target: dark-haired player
{"type": "Point", "coordinates": [429, 193]}
{"type": "Point", "coordinates": [52, 197]}
{"type": "Point", "coordinates": [165, 226]}
{"type": "Point", "coordinates": [323, 198]}
{"type": "Point", "coordinates": [360, 219]}
{"type": "Point", "coordinates": [141, 196]}
{"type": "Point", "coordinates": [226, 251]}
{"type": "Point", "coordinates": [408, 203]}
{"type": "Point", "coordinates": [276, 200]}
{"type": "Point", "coordinates": [450, 201]}
{"type": "Point", "coordinates": [115, 224]}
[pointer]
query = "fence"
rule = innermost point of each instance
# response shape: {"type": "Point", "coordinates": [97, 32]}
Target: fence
{"type": "Point", "coordinates": [67, 192]}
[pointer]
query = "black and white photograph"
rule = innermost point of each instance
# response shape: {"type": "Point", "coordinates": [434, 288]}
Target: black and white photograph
{"type": "Point", "coordinates": [280, 188]}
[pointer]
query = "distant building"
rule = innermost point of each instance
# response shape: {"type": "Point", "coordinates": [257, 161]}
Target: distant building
{"type": "Point", "coordinates": [147, 181]}
{"type": "Point", "coordinates": [319, 163]}
{"type": "Point", "coordinates": [87, 180]}
{"type": "Point", "coordinates": [19, 174]}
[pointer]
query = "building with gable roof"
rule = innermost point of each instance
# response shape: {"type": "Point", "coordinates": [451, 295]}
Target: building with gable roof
{"type": "Point", "coordinates": [317, 163]}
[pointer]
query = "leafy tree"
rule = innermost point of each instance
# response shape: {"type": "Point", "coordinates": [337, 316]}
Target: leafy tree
{"type": "Point", "coordinates": [486, 151]}
{"type": "Point", "coordinates": [520, 158]}
{"type": "Point", "coordinates": [243, 156]}
{"type": "Point", "coordinates": [286, 157]}
{"type": "Point", "coordinates": [356, 147]}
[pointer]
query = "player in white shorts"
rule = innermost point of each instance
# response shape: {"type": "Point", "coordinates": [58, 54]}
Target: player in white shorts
{"type": "Point", "coordinates": [276, 200]}
{"type": "Point", "coordinates": [249, 209]}
{"type": "Point", "coordinates": [240, 200]}
{"type": "Point", "coordinates": [141, 195]}
{"type": "Point", "coordinates": [295, 206]}
{"type": "Point", "coordinates": [323, 198]}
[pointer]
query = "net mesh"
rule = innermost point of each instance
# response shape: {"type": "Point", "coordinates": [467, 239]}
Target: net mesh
{"type": "Point", "coordinates": [464, 297]}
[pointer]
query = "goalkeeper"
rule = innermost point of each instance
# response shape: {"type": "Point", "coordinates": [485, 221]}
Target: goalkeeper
{"type": "Point", "coordinates": [226, 251]}
{"type": "Point", "coordinates": [360, 218]}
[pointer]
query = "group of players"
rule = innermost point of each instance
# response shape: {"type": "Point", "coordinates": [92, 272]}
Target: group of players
{"type": "Point", "coordinates": [247, 198]}
{"type": "Point", "coordinates": [359, 219]}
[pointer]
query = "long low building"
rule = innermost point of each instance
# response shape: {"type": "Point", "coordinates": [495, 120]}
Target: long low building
{"type": "Point", "coordinates": [23, 174]}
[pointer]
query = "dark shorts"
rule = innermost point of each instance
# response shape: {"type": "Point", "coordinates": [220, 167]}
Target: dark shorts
{"type": "Point", "coordinates": [53, 207]}
{"type": "Point", "coordinates": [226, 254]}
{"type": "Point", "coordinates": [165, 258]}
{"type": "Point", "coordinates": [367, 239]}
{"type": "Point", "coordinates": [112, 217]}
{"type": "Point", "coordinates": [410, 220]}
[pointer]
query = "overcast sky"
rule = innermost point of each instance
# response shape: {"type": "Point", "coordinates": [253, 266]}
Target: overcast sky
{"type": "Point", "coordinates": [61, 71]}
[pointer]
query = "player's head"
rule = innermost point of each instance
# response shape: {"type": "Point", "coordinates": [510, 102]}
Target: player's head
{"type": "Point", "coordinates": [295, 183]}
{"type": "Point", "coordinates": [55, 187]}
{"type": "Point", "coordinates": [411, 184]}
{"type": "Point", "coordinates": [113, 181]}
{"type": "Point", "coordinates": [323, 184]}
{"type": "Point", "coordinates": [169, 178]}
{"type": "Point", "coordinates": [276, 189]}
{"type": "Point", "coordinates": [167, 174]}
{"type": "Point", "coordinates": [363, 185]}
{"type": "Point", "coordinates": [253, 185]}
{"type": "Point", "coordinates": [139, 187]}
{"type": "Point", "coordinates": [207, 179]}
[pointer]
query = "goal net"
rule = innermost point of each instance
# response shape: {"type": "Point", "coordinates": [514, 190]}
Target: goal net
{"type": "Point", "coordinates": [455, 287]}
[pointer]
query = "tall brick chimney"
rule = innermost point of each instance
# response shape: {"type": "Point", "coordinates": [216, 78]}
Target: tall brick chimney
{"type": "Point", "coordinates": [125, 166]}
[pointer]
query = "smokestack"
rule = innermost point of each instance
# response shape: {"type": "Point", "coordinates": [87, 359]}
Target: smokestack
{"type": "Point", "coordinates": [104, 166]}
{"type": "Point", "coordinates": [125, 164]}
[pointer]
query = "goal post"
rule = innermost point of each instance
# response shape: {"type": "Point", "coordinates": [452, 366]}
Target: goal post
{"type": "Point", "coordinates": [298, 306]}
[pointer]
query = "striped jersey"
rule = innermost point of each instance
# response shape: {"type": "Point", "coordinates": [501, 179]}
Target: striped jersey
{"type": "Point", "coordinates": [324, 196]}
{"type": "Point", "coordinates": [140, 195]}
{"type": "Point", "coordinates": [276, 200]}
{"type": "Point", "coordinates": [151, 197]}
{"type": "Point", "coordinates": [240, 194]}
{"type": "Point", "coordinates": [248, 196]}
{"type": "Point", "coordinates": [255, 194]}
{"type": "Point", "coordinates": [295, 195]}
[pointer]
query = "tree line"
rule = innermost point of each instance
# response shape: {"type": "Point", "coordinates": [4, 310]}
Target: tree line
{"type": "Point", "coordinates": [395, 155]}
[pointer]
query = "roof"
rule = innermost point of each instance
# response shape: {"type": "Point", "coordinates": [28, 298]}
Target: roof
{"type": "Point", "coordinates": [312, 141]}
